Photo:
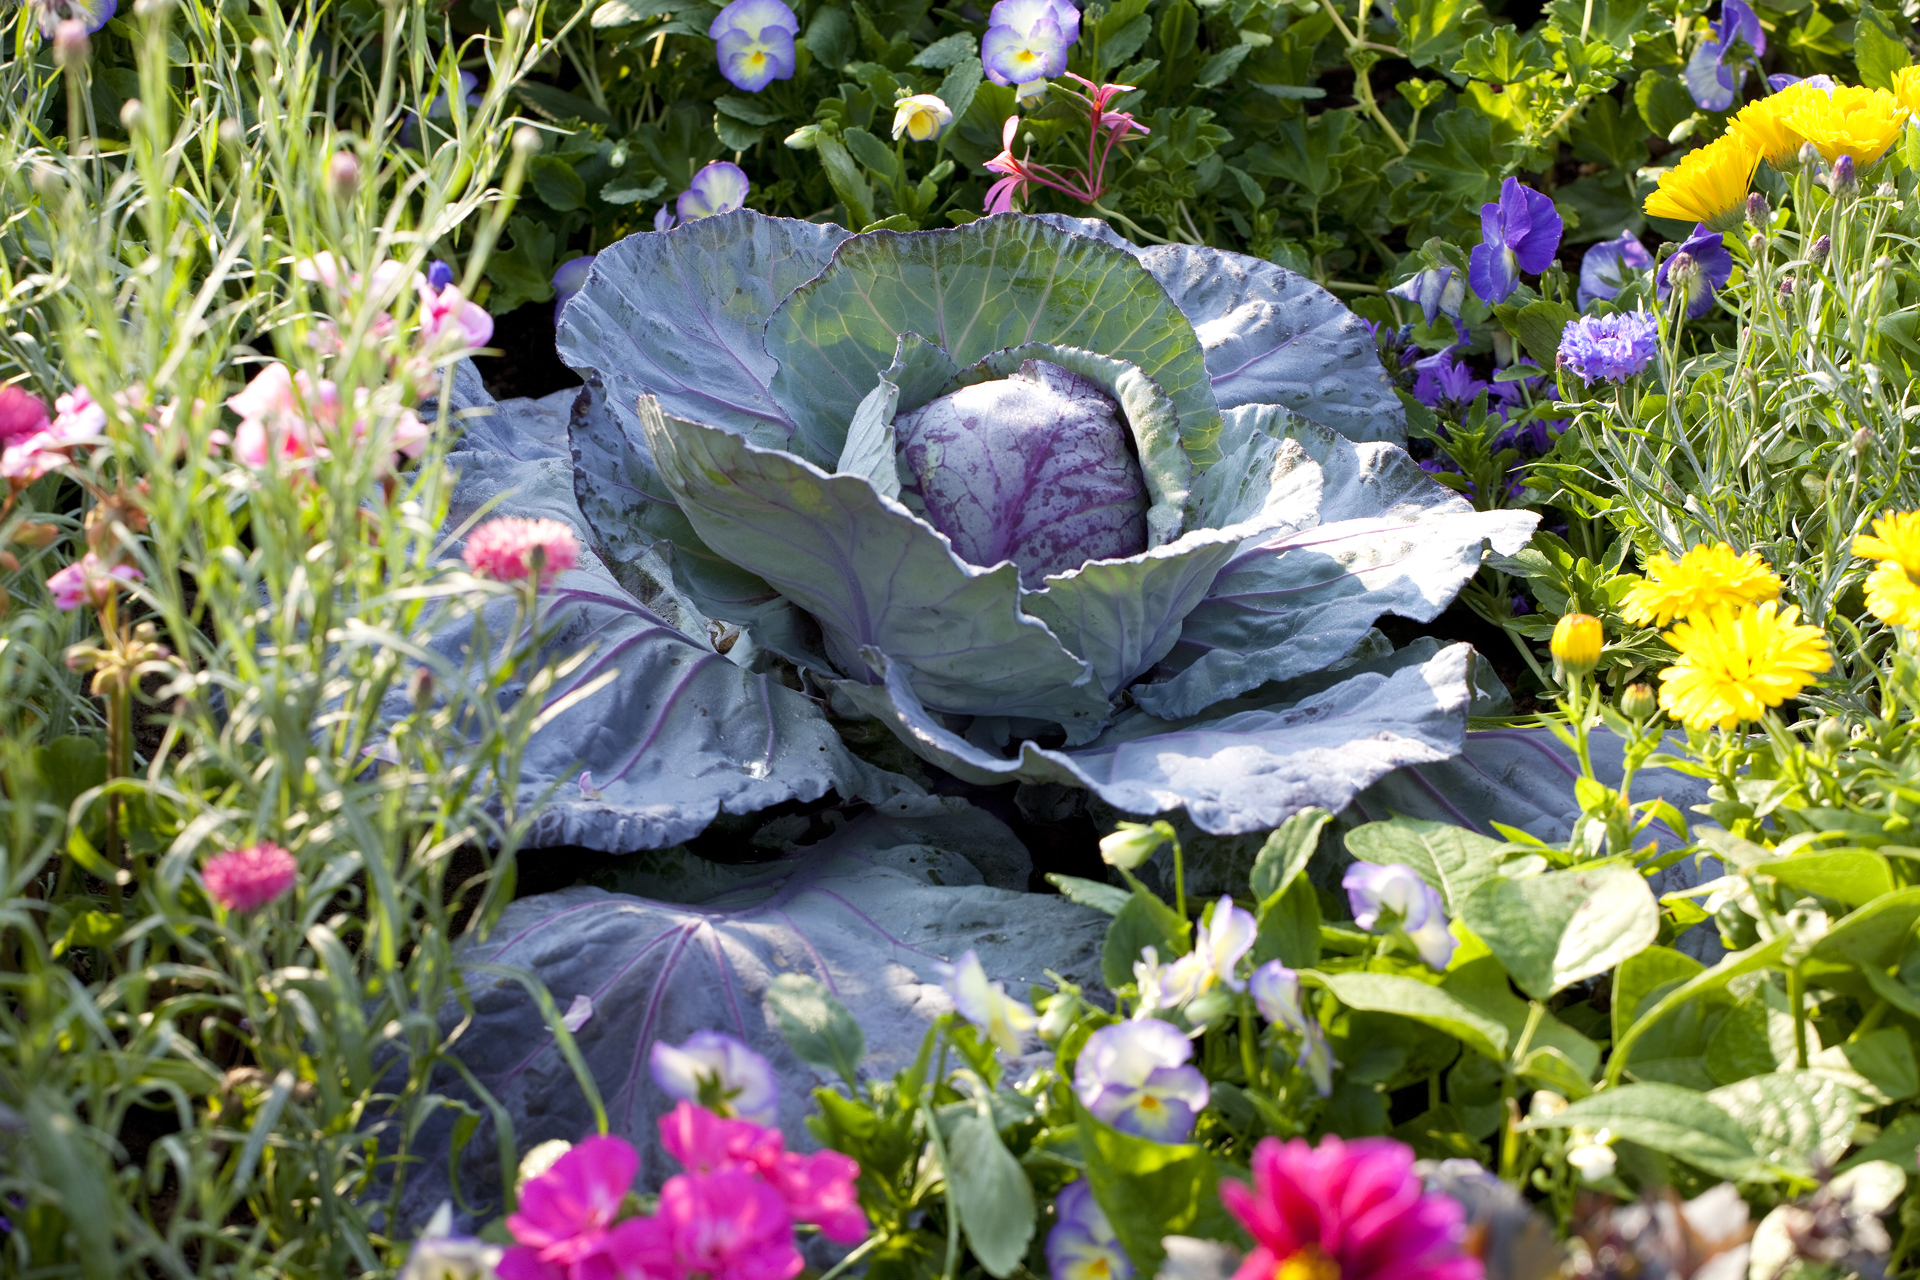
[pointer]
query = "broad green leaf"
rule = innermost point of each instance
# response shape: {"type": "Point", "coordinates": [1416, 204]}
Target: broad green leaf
{"type": "Point", "coordinates": [1640, 975]}
{"type": "Point", "coordinates": [1432, 32]}
{"type": "Point", "coordinates": [1150, 1190]}
{"type": "Point", "coordinates": [1502, 56]}
{"type": "Point", "coordinates": [1663, 102]}
{"type": "Point", "coordinates": [1424, 1003]}
{"type": "Point", "coordinates": [816, 1025]}
{"type": "Point", "coordinates": [1549, 1068]}
{"type": "Point", "coordinates": [1539, 326]}
{"type": "Point", "coordinates": [90, 929]}
{"type": "Point", "coordinates": [1459, 166]}
{"type": "Point", "coordinates": [1877, 52]}
{"type": "Point", "coordinates": [1620, 23]}
{"type": "Point", "coordinates": [1090, 893]}
{"type": "Point", "coordinates": [830, 38]}
{"type": "Point", "coordinates": [1452, 859]}
{"type": "Point", "coordinates": [1554, 930]}
{"type": "Point", "coordinates": [1290, 928]}
{"type": "Point", "coordinates": [557, 183]}
{"type": "Point", "coordinates": [1714, 979]}
{"type": "Point", "coordinates": [992, 284]}
{"type": "Point", "coordinates": [1853, 876]}
{"type": "Point", "coordinates": [991, 1193]}
{"type": "Point", "coordinates": [1879, 1065]}
{"type": "Point", "coordinates": [1683, 1123]}
{"type": "Point", "coordinates": [1610, 136]}
{"type": "Point", "coordinates": [1286, 853]}
{"type": "Point", "coordinates": [1898, 1142]}
{"type": "Point", "coordinates": [1144, 921]}
{"type": "Point", "coordinates": [1482, 986]}
{"type": "Point", "coordinates": [1792, 1117]}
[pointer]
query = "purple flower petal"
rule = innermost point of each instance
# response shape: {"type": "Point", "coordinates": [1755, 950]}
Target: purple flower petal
{"type": "Point", "coordinates": [1604, 270]}
{"type": "Point", "coordinates": [1531, 225]}
{"type": "Point", "coordinates": [721, 187]}
{"type": "Point", "coordinates": [1713, 268]}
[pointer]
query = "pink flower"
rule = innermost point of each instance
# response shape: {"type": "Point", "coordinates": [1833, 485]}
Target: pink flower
{"type": "Point", "coordinates": [703, 1142]}
{"type": "Point", "coordinates": [727, 1226]}
{"type": "Point", "coordinates": [1000, 194]}
{"type": "Point", "coordinates": [816, 1188]}
{"type": "Point", "coordinates": [1356, 1210]}
{"type": "Point", "coordinates": [504, 549]}
{"type": "Point", "coordinates": [89, 581]}
{"type": "Point", "coordinates": [77, 419]}
{"type": "Point", "coordinates": [23, 463]}
{"type": "Point", "coordinates": [567, 1213]}
{"type": "Point", "coordinates": [243, 879]}
{"type": "Point", "coordinates": [281, 413]}
{"type": "Point", "coordinates": [21, 415]}
{"type": "Point", "coordinates": [448, 319]}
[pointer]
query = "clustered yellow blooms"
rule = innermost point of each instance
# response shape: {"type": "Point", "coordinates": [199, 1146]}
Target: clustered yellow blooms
{"type": "Point", "coordinates": [1893, 594]}
{"type": "Point", "coordinates": [1740, 651]}
{"type": "Point", "coordinates": [1710, 183]}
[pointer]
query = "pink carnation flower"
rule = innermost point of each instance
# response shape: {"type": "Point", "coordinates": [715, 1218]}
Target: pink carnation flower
{"type": "Point", "coordinates": [448, 319]}
{"type": "Point", "coordinates": [89, 580]}
{"type": "Point", "coordinates": [566, 1217]}
{"type": "Point", "coordinates": [816, 1188]}
{"type": "Point", "coordinates": [503, 549]}
{"type": "Point", "coordinates": [1352, 1209]}
{"type": "Point", "coordinates": [243, 879]}
{"type": "Point", "coordinates": [21, 415]}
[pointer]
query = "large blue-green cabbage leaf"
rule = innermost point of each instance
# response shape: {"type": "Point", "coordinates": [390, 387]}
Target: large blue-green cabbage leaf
{"type": "Point", "coordinates": [1053, 508]}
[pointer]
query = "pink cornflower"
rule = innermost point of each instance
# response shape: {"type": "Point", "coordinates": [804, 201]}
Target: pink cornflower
{"type": "Point", "coordinates": [1355, 1210]}
{"type": "Point", "coordinates": [243, 879]}
{"type": "Point", "coordinates": [566, 1216]}
{"type": "Point", "coordinates": [504, 548]}
{"type": "Point", "coordinates": [816, 1188]}
{"type": "Point", "coordinates": [21, 415]}
{"type": "Point", "coordinates": [89, 580]}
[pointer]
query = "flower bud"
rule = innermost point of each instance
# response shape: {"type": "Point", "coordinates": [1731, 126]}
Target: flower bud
{"type": "Point", "coordinates": [1809, 157]}
{"type": "Point", "coordinates": [70, 44]}
{"type": "Point", "coordinates": [805, 138]}
{"type": "Point", "coordinates": [132, 112]}
{"type": "Point", "coordinates": [1756, 244]}
{"type": "Point", "coordinates": [1545, 1105]}
{"type": "Point", "coordinates": [1680, 271]}
{"type": "Point", "coordinates": [232, 132]}
{"type": "Point", "coordinates": [526, 141]}
{"type": "Point", "coordinates": [1832, 734]}
{"type": "Point", "coordinates": [1842, 180]}
{"type": "Point", "coordinates": [1132, 843]}
{"type": "Point", "coordinates": [420, 688]}
{"type": "Point", "coordinates": [262, 47]}
{"type": "Point", "coordinates": [1638, 702]}
{"type": "Point", "coordinates": [1862, 441]}
{"type": "Point", "coordinates": [1759, 213]}
{"type": "Point", "coordinates": [1786, 287]}
{"type": "Point", "coordinates": [517, 19]}
{"type": "Point", "coordinates": [1884, 191]}
{"type": "Point", "coordinates": [343, 173]}
{"type": "Point", "coordinates": [1576, 643]}
{"type": "Point", "coordinates": [1821, 248]}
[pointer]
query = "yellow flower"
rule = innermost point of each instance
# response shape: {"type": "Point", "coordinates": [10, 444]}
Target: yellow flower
{"type": "Point", "coordinates": [920, 117]}
{"type": "Point", "coordinates": [1702, 579]}
{"type": "Point", "coordinates": [1851, 120]}
{"type": "Point", "coordinates": [1708, 185]}
{"type": "Point", "coordinates": [1735, 663]}
{"type": "Point", "coordinates": [1893, 594]}
{"type": "Point", "coordinates": [1763, 125]}
{"type": "Point", "coordinates": [1906, 87]}
{"type": "Point", "coordinates": [1576, 643]}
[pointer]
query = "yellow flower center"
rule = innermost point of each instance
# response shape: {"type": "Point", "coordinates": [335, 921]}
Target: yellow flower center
{"type": "Point", "coordinates": [1307, 1264]}
{"type": "Point", "coordinates": [1099, 1267]}
{"type": "Point", "coordinates": [1149, 1103]}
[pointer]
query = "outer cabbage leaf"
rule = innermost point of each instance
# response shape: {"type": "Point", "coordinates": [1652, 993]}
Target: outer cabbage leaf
{"type": "Point", "coordinates": [1383, 538]}
{"type": "Point", "coordinates": [681, 732]}
{"type": "Point", "coordinates": [678, 315]}
{"type": "Point", "coordinates": [1247, 771]}
{"type": "Point", "coordinates": [1273, 337]}
{"type": "Point", "coordinates": [992, 284]}
{"type": "Point", "coordinates": [875, 578]}
{"type": "Point", "coordinates": [870, 912]}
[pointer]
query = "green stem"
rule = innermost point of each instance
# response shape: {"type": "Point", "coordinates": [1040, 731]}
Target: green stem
{"type": "Point", "coordinates": [1179, 882]}
{"type": "Point", "coordinates": [1797, 997]}
{"type": "Point", "coordinates": [946, 1183]}
{"type": "Point", "coordinates": [866, 1246]}
{"type": "Point", "coordinates": [1247, 1062]}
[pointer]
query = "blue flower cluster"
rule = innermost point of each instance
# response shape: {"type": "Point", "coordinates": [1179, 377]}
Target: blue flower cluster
{"type": "Point", "coordinates": [1609, 348]}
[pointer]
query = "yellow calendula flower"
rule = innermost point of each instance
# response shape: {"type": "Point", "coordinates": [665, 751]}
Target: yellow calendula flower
{"type": "Point", "coordinates": [1762, 123]}
{"type": "Point", "coordinates": [1893, 592]}
{"type": "Point", "coordinates": [1708, 185]}
{"type": "Point", "coordinates": [1702, 579]}
{"type": "Point", "coordinates": [1850, 121]}
{"type": "Point", "coordinates": [1735, 663]}
{"type": "Point", "coordinates": [1906, 88]}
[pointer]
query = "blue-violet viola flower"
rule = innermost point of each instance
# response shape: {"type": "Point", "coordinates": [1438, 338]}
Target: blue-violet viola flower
{"type": "Point", "coordinates": [1518, 234]}
{"type": "Point", "coordinates": [92, 14]}
{"type": "Point", "coordinates": [1026, 42]}
{"type": "Point", "coordinates": [1608, 266]}
{"type": "Point", "coordinates": [1438, 291]}
{"type": "Point", "coordinates": [569, 280]}
{"type": "Point", "coordinates": [1708, 268]}
{"type": "Point", "coordinates": [755, 39]}
{"type": "Point", "coordinates": [720, 1073]}
{"type": "Point", "coordinates": [1082, 1244]}
{"type": "Point", "coordinates": [719, 188]}
{"type": "Point", "coordinates": [1133, 1076]}
{"type": "Point", "coordinates": [1276, 993]}
{"type": "Point", "coordinates": [1376, 892]}
{"type": "Point", "coordinates": [1718, 67]}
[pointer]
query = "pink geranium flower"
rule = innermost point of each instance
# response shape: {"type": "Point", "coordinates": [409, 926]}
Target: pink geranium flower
{"type": "Point", "coordinates": [89, 580]}
{"type": "Point", "coordinates": [816, 1188]}
{"type": "Point", "coordinates": [728, 1226]}
{"type": "Point", "coordinates": [243, 879]}
{"type": "Point", "coordinates": [504, 549]}
{"type": "Point", "coordinates": [567, 1213]}
{"type": "Point", "coordinates": [1356, 1210]}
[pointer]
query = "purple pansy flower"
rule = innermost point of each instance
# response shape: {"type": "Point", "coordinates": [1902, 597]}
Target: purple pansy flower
{"type": "Point", "coordinates": [1375, 891]}
{"type": "Point", "coordinates": [1133, 1076]}
{"type": "Point", "coordinates": [755, 40]}
{"type": "Point", "coordinates": [1517, 234]}
{"type": "Point", "coordinates": [1708, 268]}
{"type": "Point", "coordinates": [721, 187]}
{"type": "Point", "coordinates": [1082, 1244]}
{"type": "Point", "coordinates": [1719, 66]}
{"type": "Point", "coordinates": [1276, 993]}
{"type": "Point", "coordinates": [720, 1073]}
{"type": "Point", "coordinates": [1604, 271]}
{"type": "Point", "coordinates": [1026, 42]}
{"type": "Point", "coordinates": [1609, 348]}
{"type": "Point", "coordinates": [569, 280]}
{"type": "Point", "coordinates": [1438, 291]}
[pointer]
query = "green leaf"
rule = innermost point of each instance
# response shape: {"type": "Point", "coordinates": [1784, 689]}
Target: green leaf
{"type": "Point", "coordinates": [830, 38]}
{"type": "Point", "coordinates": [1481, 985]}
{"type": "Point", "coordinates": [754, 111]}
{"type": "Point", "coordinates": [1290, 928]}
{"type": "Point", "coordinates": [1432, 32]}
{"type": "Point", "coordinates": [1642, 974]}
{"type": "Point", "coordinates": [559, 105]}
{"type": "Point", "coordinates": [1619, 23]}
{"type": "Point", "coordinates": [974, 290]}
{"type": "Point", "coordinates": [1091, 893]}
{"type": "Point", "coordinates": [1853, 876]}
{"type": "Point", "coordinates": [81, 850]}
{"type": "Point", "coordinates": [1426, 1004]}
{"type": "Point", "coordinates": [1874, 935]}
{"type": "Point", "coordinates": [733, 135]}
{"type": "Point", "coordinates": [621, 191]}
{"type": "Point", "coordinates": [872, 152]}
{"type": "Point", "coordinates": [1144, 921]}
{"type": "Point", "coordinates": [991, 1193]}
{"type": "Point", "coordinates": [1608, 135]}
{"type": "Point", "coordinates": [625, 13]}
{"type": "Point", "coordinates": [1150, 1190]}
{"type": "Point", "coordinates": [962, 81]}
{"type": "Point", "coordinates": [91, 929]}
{"type": "Point", "coordinates": [850, 185]}
{"type": "Point", "coordinates": [1222, 65]}
{"type": "Point", "coordinates": [1179, 29]}
{"type": "Point", "coordinates": [1460, 167]}
{"type": "Point", "coordinates": [816, 1025]}
{"type": "Point", "coordinates": [1125, 42]}
{"type": "Point", "coordinates": [523, 270]}
{"type": "Point", "coordinates": [1680, 1122]}
{"type": "Point", "coordinates": [1503, 56]}
{"type": "Point", "coordinates": [1549, 1068]}
{"type": "Point", "coordinates": [1880, 1065]}
{"type": "Point", "coordinates": [948, 51]}
{"type": "Point", "coordinates": [1554, 930]}
{"type": "Point", "coordinates": [1286, 853]}
{"type": "Point", "coordinates": [1452, 859]}
{"type": "Point", "coordinates": [1539, 326]}
{"type": "Point", "coordinates": [1663, 102]}
{"type": "Point", "coordinates": [1877, 52]}
{"type": "Point", "coordinates": [1791, 1117]}
{"type": "Point", "coordinates": [557, 183]}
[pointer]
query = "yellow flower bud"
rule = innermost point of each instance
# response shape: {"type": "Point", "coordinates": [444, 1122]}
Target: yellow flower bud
{"type": "Point", "coordinates": [1638, 702]}
{"type": "Point", "coordinates": [920, 117]}
{"type": "Point", "coordinates": [1576, 642]}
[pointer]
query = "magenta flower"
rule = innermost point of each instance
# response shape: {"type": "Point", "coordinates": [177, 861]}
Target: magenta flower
{"type": "Point", "coordinates": [1353, 1210]}
{"type": "Point", "coordinates": [1705, 267]}
{"type": "Point", "coordinates": [719, 1072]}
{"type": "Point", "coordinates": [21, 415]}
{"type": "Point", "coordinates": [817, 1188]}
{"type": "Point", "coordinates": [1082, 1244]}
{"type": "Point", "coordinates": [448, 320]}
{"type": "Point", "coordinates": [566, 1213]}
{"type": "Point", "coordinates": [243, 879]}
{"type": "Point", "coordinates": [1718, 67]}
{"type": "Point", "coordinates": [755, 40]}
{"type": "Point", "coordinates": [505, 549]}
{"type": "Point", "coordinates": [89, 581]}
{"type": "Point", "coordinates": [1000, 195]}
{"type": "Point", "coordinates": [728, 1225]}
{"type": "Point", "coordinates": [1518, 234]}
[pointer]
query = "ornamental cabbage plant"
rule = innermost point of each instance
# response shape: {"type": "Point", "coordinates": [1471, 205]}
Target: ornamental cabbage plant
{"type": "Point", "coordinates": [1053, 508]}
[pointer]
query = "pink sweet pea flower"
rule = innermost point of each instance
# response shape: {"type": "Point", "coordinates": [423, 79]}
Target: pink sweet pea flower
{"type": "Point", "coordinates": [566, 1213]}
{"type": "Point", "coordinates": [504, 549]}
{"type": "Point", "coordinates": [243, 879]}
{"type": "Point", "coordinates": [89, 581]}
{"type": "Point", "coordinates": [77, 418]}
{"type": "Point", "coordinates": [448, 320]}
{"type": "Point", "coordinates": [1352, 1209]}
